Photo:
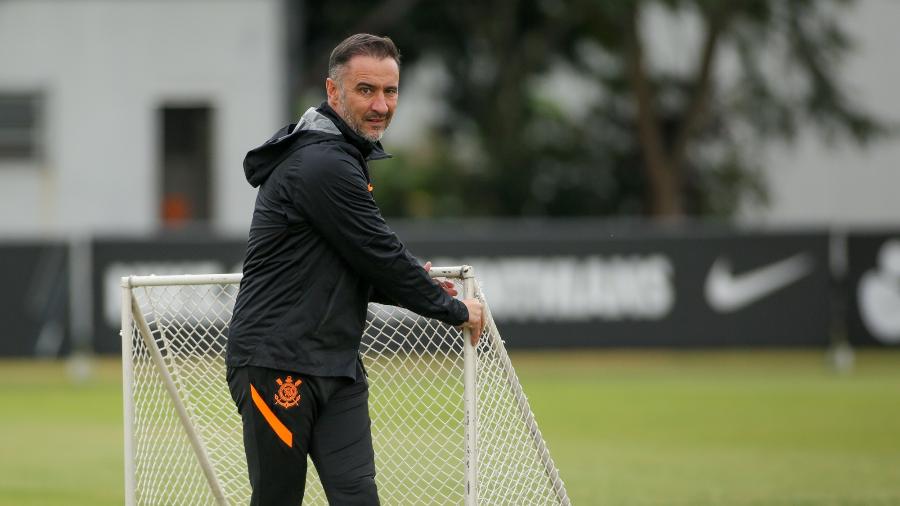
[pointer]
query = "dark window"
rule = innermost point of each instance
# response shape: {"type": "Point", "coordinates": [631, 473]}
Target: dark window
{"type": "Point", "coordinates": [21, 126]}
{"type": "Point", "coordinates": [186, 138]}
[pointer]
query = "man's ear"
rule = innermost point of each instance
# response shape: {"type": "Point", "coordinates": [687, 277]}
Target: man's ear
{"type": "Point", "coordinates": [331, 88]}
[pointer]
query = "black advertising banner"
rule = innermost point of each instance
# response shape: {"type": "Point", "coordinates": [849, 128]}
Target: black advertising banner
{"type": "Point", "coordinates": [570, 284]}
{"type": "Point", "coordinates": [115, 258]}
{"type": "Point", "coordinates": [873, 288]}
{"type": "Point", "coordinates": [584, 286]}
{"type": "Point", "coordinates": [34, 308]}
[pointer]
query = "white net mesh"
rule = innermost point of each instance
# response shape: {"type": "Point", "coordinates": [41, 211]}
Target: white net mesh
{"type": "Point", "coordinates": [415, 368]}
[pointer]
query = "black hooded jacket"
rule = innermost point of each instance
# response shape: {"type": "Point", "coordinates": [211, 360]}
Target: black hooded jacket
{"type": "Point", "coordinates": [318, 250]}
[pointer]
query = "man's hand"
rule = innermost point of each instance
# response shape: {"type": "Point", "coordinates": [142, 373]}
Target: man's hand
{"type": "Point", "coordinates": [475, 307]}
{"type": "Point", "coordinates": [476, 318]}
{"type": "Point", "coordinates": [448, 286]}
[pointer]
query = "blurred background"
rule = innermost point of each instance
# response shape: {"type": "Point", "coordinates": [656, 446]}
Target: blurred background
{"type": "Point", "coordinates": [684, 215]}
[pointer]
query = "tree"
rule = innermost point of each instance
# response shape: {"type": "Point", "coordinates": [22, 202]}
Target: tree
{"type": "Point", "coordinates": [652, 140]}
{"type": "Point", "coordinates": [802, 37]}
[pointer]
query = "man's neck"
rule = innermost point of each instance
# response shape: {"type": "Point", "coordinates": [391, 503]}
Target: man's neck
{"type": "Point", "coordinates": [365, 146]}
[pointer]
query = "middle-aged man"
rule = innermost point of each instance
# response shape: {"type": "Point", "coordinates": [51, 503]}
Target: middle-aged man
{"type": "Point", "coordinates": [318, 252]}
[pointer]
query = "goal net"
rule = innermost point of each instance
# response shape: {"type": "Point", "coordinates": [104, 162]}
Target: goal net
{"type": "Point", "coordinates": [450, 423]}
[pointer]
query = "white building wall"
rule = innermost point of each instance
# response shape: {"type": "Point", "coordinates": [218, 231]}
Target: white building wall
{"type": "Point", "coordinates": [815, 181]}
{"type": "Point", "coordinates": [821, 183]}
{"type": "Point", "coordinates": [105, 67]}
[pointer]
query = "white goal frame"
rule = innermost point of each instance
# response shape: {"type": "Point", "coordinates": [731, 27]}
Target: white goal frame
{"type": "Point", "coordinates": [135, 327]}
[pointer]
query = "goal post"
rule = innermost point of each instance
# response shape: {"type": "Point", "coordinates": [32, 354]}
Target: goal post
{"type": "Point", "coordinates": [450, 422]}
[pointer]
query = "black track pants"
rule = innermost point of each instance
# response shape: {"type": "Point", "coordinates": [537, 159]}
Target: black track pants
{"type": "Point", "coordinates": [287, 416]}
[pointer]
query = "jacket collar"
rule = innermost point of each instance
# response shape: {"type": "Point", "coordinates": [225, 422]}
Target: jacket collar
{"type": "Point", "coordinates": [370, 150]}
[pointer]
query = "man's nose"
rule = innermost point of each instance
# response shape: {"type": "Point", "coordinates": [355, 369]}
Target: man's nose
{"type": "Point", "coordinates": [379, 105]}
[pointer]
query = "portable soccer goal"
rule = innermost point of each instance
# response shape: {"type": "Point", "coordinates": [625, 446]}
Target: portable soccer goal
{"type": "Point", "coordinates": [450, 422]}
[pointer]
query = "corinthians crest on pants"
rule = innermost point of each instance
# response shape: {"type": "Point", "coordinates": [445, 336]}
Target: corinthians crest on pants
{"type": "Point", "coordinates": [288, 394]}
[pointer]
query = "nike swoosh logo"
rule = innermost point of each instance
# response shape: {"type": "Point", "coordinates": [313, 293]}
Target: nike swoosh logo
{"type": "Point", "coordinates": [727, 292]}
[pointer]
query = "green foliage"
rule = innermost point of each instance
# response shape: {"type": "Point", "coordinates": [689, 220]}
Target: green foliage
{"type": "Point", "coordinates": [418, 183]}
{"type": "Point", "coordinates": [534, 157]}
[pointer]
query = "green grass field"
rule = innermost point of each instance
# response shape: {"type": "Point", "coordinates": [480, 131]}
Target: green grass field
{"type": "Point", "coordinates": [625, 428]}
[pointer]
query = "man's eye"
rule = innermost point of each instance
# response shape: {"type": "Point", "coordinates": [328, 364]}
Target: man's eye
{"type": "Point", "coordinates": [365, 91]}
{"type": "Point", "coordinates": [391, 92]}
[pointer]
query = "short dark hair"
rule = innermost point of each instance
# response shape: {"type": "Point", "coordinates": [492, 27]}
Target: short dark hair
{"type": "Point", "coordinates": [361, 44]}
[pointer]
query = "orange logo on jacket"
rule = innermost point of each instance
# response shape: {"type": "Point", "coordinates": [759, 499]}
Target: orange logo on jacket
{"type": "Point", "coordinates": [288, 394]}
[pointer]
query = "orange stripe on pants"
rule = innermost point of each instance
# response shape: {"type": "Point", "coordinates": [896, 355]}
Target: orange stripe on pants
{"type": "Point", "coordinates": [270, 417]}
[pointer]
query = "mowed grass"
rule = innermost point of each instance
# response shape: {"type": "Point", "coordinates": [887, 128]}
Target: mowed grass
{"type": "Point", "coordinates": [625, 428]}
{"type": "Point", "coordinates": [749, 428]}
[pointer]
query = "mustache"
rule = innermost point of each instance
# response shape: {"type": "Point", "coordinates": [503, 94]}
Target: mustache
{"type": "Point", "coordinates": [375, 116]}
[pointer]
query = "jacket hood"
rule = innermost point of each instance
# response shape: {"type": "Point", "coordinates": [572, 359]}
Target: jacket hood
{"type": "Point", "coordinates": [316, 125]}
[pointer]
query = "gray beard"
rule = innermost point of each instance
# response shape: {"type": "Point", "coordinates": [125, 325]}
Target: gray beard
{"type": "Point", "coordinates": [356, 127]}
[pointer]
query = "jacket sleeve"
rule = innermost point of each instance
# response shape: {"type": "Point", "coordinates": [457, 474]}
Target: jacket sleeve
{"type": "Point", "coordinates": [378, 297]}
{"type": "Point", "coordinates": [332, 193]}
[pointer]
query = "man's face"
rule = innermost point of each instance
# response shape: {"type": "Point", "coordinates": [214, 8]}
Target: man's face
{"type": "Point", "coordinates": [365, 94]}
